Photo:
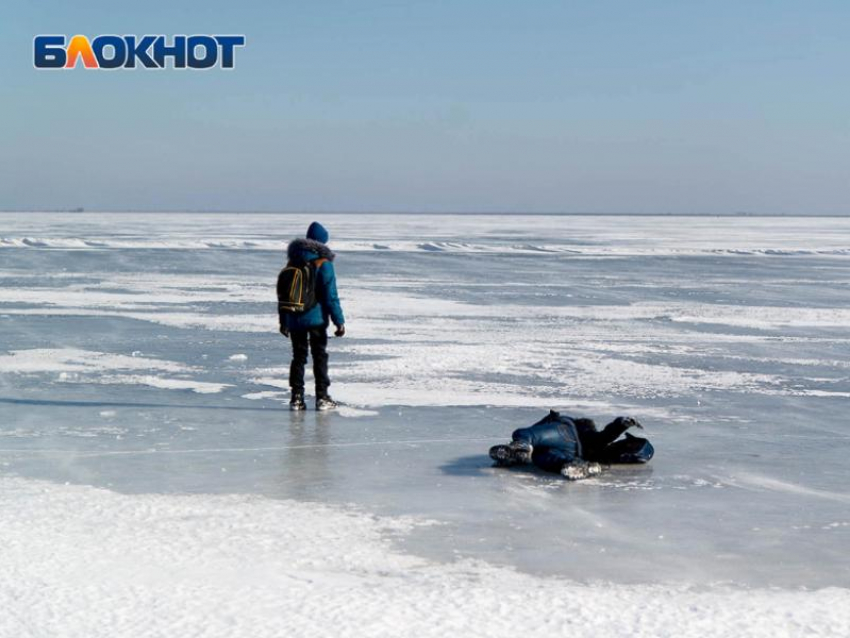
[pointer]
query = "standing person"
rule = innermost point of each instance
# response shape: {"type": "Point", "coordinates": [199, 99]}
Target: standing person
{"type": "Point", "coordinates": [306, 324]}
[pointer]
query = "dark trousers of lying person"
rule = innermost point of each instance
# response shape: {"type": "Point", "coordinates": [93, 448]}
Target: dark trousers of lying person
{"type": "Point", "coordinates": [573, 447]}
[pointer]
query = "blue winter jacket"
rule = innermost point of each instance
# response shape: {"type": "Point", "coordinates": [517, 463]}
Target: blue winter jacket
{"type": "Point", "coordinates": [328, 307]}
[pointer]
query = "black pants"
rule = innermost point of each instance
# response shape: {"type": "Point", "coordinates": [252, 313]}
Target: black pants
{"type": "Point", "coordinates": [317, 341]}
{"type": "Point", "coordinates": [604, 447]}
{"type": "Point", "coordinates": [595, 443]}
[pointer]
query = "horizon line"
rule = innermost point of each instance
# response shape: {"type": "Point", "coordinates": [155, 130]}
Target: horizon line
{"type": "Point", "coordinates": [214, 211]}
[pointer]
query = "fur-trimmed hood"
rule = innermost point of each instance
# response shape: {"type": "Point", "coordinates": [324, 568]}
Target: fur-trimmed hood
{"type": "Point", "coordinates": [298, 247]}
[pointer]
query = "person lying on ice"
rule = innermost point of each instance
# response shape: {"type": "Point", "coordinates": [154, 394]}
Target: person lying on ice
{"type": "Point", "coordinates": [573, 447]}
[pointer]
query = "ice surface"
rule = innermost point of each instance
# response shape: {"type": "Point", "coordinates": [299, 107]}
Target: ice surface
{"type": "Point", "coordinates": [140, 353]}
{"type": "Point", "coordinates": [94, 563]}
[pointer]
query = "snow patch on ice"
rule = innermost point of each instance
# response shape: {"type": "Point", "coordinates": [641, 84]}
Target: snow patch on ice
{"type": "Point", "coordinates": [87, 366]}
{"type": "Point", "coordinates": [819, 393]}
{"type": "Point", "coordinates": [352, 412]}
{"type": "Point", "coordinates": [50, 429]}
{"type": "Point", "coordinates": [464, 352]}
{"type": "Point", "coordinates": [201, 387]}
{"type": "Point", "coordinates": [265, 394]}
{"type": "Point", "coordinates": [77, 360]}
{"type": "Point", "coordinates": [86, 562]}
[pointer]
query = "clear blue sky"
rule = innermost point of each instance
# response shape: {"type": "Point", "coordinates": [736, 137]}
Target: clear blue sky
{"type": "Point", "coordinates": [464, 105]}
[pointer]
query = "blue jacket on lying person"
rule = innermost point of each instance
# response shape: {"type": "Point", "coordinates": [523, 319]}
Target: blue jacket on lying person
{"type": "Point", "coordinates": [572, 446]}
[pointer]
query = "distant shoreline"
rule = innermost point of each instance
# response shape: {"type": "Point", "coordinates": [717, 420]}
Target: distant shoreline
{"type": "Point", "coordinates": [411, 213]}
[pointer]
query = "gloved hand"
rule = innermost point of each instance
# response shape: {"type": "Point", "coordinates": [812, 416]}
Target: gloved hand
{"type": "Point", "coordinates": [630, 422]}
{"type": "Point", "coordinates": [284, 331]}
{"type": "Point", "coordinates": [340, 331]}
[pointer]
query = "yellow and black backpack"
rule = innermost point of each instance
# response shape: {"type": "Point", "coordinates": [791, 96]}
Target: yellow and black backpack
{"type": "Point", "coordinates": [296, 287]}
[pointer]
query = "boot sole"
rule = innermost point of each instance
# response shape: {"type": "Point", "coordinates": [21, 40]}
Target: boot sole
{"type": "Point", "coordinates": [502, 455]}
{"type": "Point", "coordinates": [580, 471]}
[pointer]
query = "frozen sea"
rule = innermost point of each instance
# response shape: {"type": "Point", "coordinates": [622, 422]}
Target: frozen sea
{"type": "Point", "coordinates": [143, 398]}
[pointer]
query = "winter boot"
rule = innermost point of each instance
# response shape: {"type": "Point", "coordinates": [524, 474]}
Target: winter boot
{"type": "Point", "coordinates": [296, 403]}
{"type": "Point", "coordinates": [522, 451]}
{"type": "Point", "coordinates": [580, 470]}
{"type": "Point", "coordinates": [515, 453]}
{"type": "Point", "coordinates": [325, 403]}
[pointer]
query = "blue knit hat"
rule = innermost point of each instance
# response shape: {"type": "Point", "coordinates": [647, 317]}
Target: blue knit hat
{"type": "Point", "coordinates": [318, 233]}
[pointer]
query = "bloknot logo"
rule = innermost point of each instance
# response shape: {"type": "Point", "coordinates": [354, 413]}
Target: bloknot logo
{"type": "Point", "coordinates": [130, 51]}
